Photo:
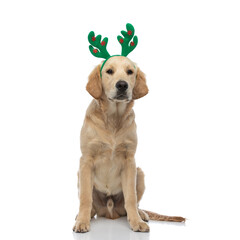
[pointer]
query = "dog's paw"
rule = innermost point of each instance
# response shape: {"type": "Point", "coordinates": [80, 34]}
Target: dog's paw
{"type": "Point", "coordinates": [139, 226]}
{"type": "Point", "coordinates": [144, 216]}
{"type": "Point", "coordinates": [81, 227]}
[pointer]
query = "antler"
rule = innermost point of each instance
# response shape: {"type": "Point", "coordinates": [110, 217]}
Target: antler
{"type": "Point", "coordinates": [100, 46]}
{"type": "Point", "coordinates": [126, 48]}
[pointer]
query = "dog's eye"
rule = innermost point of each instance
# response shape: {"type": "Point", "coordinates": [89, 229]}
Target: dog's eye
{"type": "Point", "coordinates": [110, 71]}
{"type": "Point", "coordinates": [129, 72]}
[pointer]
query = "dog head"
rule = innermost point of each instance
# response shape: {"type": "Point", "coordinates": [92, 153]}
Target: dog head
{"type": "Point", "coordinates": [120, 80]}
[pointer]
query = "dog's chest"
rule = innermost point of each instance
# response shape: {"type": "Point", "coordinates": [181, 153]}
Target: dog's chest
{"type": "Point", "coordinates": [108, 164]}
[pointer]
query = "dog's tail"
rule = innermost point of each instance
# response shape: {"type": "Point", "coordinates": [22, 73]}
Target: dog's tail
{"type": "Point", "coordinates": [158, 217]}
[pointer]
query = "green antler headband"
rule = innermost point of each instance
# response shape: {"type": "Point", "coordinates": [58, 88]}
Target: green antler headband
{"type": "Point", "coordinates": [100, 49]}
{"type": "Point", "coordinates": [126, 49]}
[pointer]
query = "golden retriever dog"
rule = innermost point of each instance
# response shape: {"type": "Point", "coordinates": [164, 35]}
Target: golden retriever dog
{"type": "Point", "coordinates": [110, 185]}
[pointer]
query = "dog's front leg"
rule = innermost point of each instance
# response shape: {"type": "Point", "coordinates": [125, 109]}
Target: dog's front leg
{"type": "Point", "coordinates": [86, 187]}
{"type": "Point", "coordinates": [128, 178]}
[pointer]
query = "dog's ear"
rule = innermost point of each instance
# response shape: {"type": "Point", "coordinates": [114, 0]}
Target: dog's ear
{"type": "Point", "coordinates": [94, 85]}
{"type": "Point", "coordinates": [140, 89]}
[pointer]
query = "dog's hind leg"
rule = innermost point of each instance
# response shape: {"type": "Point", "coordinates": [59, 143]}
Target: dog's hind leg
{"type": "Point", "coordinates": [140, 187]}
{"type": "Point", "coordinates": [93, 212]}
{"type": "Point", "coordinates": [144, 216]}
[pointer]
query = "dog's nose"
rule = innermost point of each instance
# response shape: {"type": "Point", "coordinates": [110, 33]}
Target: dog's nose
{"type": "Point", "coordinates": [122, 86]}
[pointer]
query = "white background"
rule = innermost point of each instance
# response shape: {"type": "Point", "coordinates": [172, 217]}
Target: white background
{"type": "Point", "coordinates": [188, 125]}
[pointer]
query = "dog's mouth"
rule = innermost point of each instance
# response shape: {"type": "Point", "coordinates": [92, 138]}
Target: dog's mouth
{"type": "Point", "coordinates": [120, 98]}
